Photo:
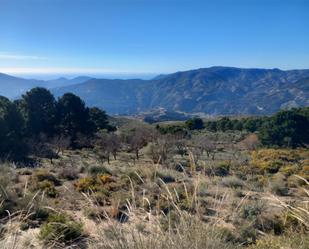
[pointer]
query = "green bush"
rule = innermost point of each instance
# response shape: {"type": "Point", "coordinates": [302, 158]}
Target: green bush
{"type": "Point", "coordinates": [195, 124]}
{"type": "Point", "coordinates": [35, 219]}
{"type": "Point", "coordinates": [251, 211]}
{"type": "Point", "coordinates": [43, 175]}
{"type": "Point", "coordinates": [98, 170]}
{"type": "Point", "coordinates": [49, 188]}
{"type": "Point", "coordinates": [61, 228]}
{"type": "Point", "coordinates": [39, 214]}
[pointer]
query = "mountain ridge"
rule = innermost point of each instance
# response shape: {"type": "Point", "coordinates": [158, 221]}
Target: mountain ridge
{"type": "Point", "coordinates": [215, 90]}
{"type": "Point", "coordinates": [13, 87]}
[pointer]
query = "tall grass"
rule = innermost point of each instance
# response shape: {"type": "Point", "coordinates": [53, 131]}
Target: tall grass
{"type": "Point", "coordinates": [152, 229]}
{"type": "Point", "coordinates": [176, 230]}
{"type": "Point", "coordinates": [189, 233]}
{"type": "Point", "coordinates": [301, 211]}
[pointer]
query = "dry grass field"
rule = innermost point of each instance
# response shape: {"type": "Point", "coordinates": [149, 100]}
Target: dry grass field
{"type": "Point", "coordinates": [227, 195]}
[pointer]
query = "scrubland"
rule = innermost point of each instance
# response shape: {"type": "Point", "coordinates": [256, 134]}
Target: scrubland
{"type": "Point", "coordinates": [202, 190]}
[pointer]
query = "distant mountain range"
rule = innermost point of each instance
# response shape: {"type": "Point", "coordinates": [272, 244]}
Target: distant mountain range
{"type": "Point", "coordinates": [214, 91]}
{"type": "Point", "coordinates": [13, 87]}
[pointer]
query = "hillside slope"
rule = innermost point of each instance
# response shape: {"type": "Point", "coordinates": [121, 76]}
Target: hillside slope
{"type": "Point", "coordinates": [215, 91]}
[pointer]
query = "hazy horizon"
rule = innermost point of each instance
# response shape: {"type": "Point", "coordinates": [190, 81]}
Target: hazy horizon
{"type": "Point", "coordinates": [119, 75]}
{"type": "Point", "coordinates": [56, 76]}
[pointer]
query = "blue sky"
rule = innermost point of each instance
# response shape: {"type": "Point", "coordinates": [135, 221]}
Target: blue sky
{"type": "Point", "coordinates": [151, 36]}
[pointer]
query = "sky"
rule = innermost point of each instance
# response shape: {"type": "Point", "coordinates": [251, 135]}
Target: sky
{"type": "Point", "coordinates": [129, 37]}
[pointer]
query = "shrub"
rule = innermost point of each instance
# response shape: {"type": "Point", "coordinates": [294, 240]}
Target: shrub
{"type": "Point", "coordinates": [291, 240]}
{"type": "Point", "coordinates": [36, 218]}
{"type": "Point", "coordinates": [272, 167]}
{"type": "Point", "coordinates": [60, 228]}
{"type": "Point", "coordinates": [69, 173]}
{"type": "Point", "coordinates": [165, 175]}
{"type": "Point", "coordinates": [96, 170]}
{"type": "Point", "coordinates": [289, 170]}
{"type": "Point", "coordinates": [232, 182]}
{"type": "Point", "coordinates": [221, 169]}
{"type": "Point", "coordinates": [43, 175]}
{"type": "Point", "coordinates": [247, 235]}
{"type": "Point", "coordinates": [294, 182]}
{"type": "Point", "coordinates": [48, 187]}
{"type": "Point", "coordinates": [279, 189]}
{"type": "Point", "coordinates": [195, 124]}
{"type": "Point", "coordinates": [278, 185]}
{"type": "Point", "coordinates": [40, 214]}
{"type": "Point", "coordinates": [85, 184]}
{"type": "Point", "coordinates": [273, 160]}
{"type": "Point", "coordinates": [101, 196]}
{"type": "Point", "coordinates": [44, 181]}
{"type": "Point", "coordinates": [305, 172]}
{"type": "Point", "coordinates": [251, 211]}
{"type": "Point", "coordinates": [104, 179]}
{"type": "Point", "coordinates": [268, 222]}
{"type": "Point", "coordinates": [95, 213]}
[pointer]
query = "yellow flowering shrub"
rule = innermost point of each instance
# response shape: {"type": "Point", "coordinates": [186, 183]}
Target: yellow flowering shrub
{"type": "Point", "coordinates": [287, 161]}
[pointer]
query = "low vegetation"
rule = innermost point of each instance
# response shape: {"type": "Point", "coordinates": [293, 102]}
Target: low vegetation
{"type": "Point", "coordinates": [71, 180]}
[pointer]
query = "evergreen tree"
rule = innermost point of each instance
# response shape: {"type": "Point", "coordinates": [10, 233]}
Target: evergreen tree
{"type": "Point", "coordinates": [98, 119]}
{"type": "Point", "coordinates": [38, 107]}
{"type": "Point", "coordinates": [224, 124]}
{"type": "Point", "coordinates": [286, 128]}
{"type": "Point", "coordinates": [195, 124]}
{"type": "Point", "coordinates": [73, 116]}
{"type": "Point", "coordinates": [11, 131]}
